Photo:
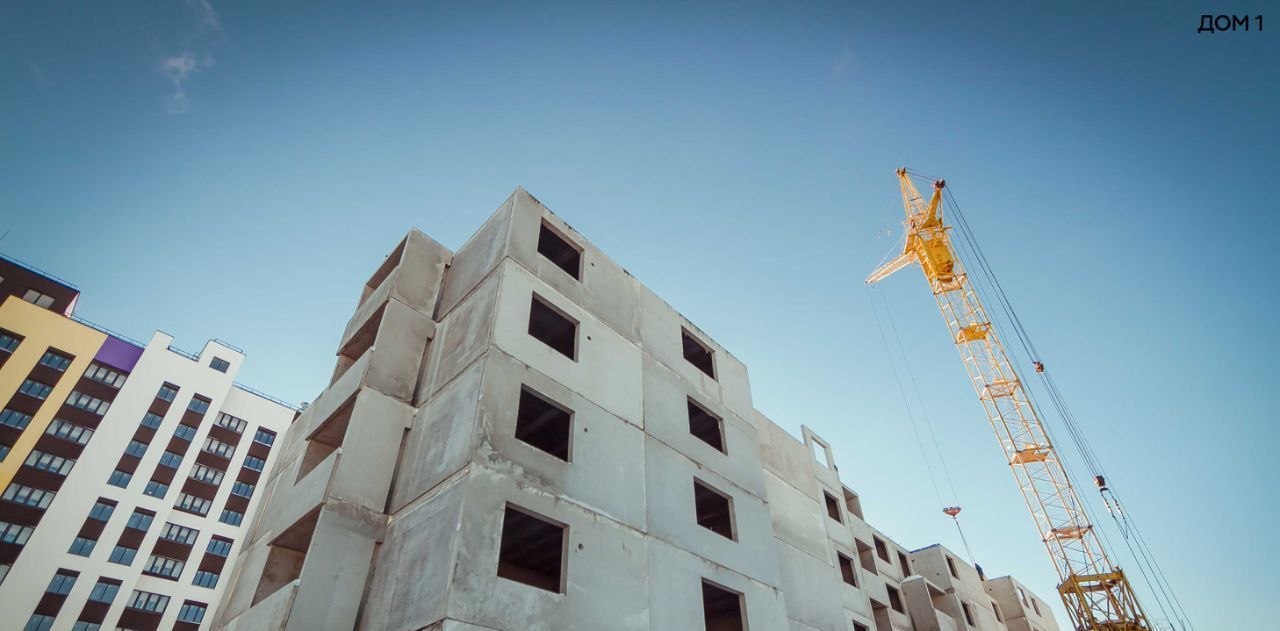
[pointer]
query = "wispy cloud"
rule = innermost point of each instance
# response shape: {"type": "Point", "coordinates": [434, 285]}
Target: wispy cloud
{"type": "Point", "coordinates": [179, 69]}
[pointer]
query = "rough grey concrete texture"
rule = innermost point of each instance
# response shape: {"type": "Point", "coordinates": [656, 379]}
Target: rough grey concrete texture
{"type": "Point", "coordinates": [388, 506]}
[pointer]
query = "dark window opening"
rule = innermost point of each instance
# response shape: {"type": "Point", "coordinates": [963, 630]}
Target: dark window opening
{"type": "Point", "coordinates": [532, 551]}
{"type": "Point", "coordinates": [543, 424]}
{"type": "Point", "coordinates": [906, 565]}
{"type": "Point", "coordinates": [219, 364]}
{"type": "Point", "coordinates": [560, 251]}
{"type": "Point", "coordinates": [968, 614]}
{"type": "Point", "coordinates": [996, 608]}
{"type": "Point", "coordinates": [951, 566]}
{"type": "Point", "coordinates": [714, 510]}
{"type": "Point", "coordinates": [895, 599]}
{"type": "Point", "coordinates": [553, 328]}
{"type": "Point", "coordinates": [706, 426]}
{"type": "Point", "coordinates": [721, 609]}
{"type": "Point", "coordinates": [847, 572]}
{"type": "Point", "coordinates": [833, 506]}
{"type": "Point", "coordinates": [860, 627]}
{"type": "Point", "coordinates": [698, 354]}
{"type": "Point", "coordinates": [882, 550]}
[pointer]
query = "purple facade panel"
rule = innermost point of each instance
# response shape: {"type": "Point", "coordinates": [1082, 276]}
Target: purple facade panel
{"type": "Point", "coordinates": [118, 353]}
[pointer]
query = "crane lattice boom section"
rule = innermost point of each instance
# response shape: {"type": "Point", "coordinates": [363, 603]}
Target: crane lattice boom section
{"type": "Point", "coordinates": [1097, 595]}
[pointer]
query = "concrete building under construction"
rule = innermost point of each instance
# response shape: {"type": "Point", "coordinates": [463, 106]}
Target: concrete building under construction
{"type": "Point", "coordinates": [519, 436]}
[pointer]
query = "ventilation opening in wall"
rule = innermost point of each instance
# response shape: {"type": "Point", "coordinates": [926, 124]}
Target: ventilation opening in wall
{"type": "Point", "coordinates": [833, 506]}
{"type": "Point", "coordinates": [553, 328]}
{"type": "Point", "coordinates": [532, 550]}
{"type": "Point", "coordinates": [698, 354]}
{"type": "Point", "coordinates": [721, 609]}
{"type": "Point", "coordinates": [847, 571]}
{"type": "Point", "coordinates": [543, 424]}
{"type": "Point", "coordinates": [706, 426]}
{"type": "Point", "coordinates": [560, 251]}
{"type": "Point", "coordinates": [714, 510]}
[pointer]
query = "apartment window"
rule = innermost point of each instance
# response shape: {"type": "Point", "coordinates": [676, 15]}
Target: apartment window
{"type": "Point", "coordinates": [39, 622]}
{"type": "Point", "coordinates": [14, 533]}
{"type": "Point", "coordinates": [714, 510]}
{"type": "Point", "coordinates": [55, 360]}
{"type": "Point", "coordinates": [553, 328]}
{"type": "Point", "coordinates": [231, 517]}
{"type": "Point", "coordinates": [170, 459]}
{"type": "Point", "coordinates": [560, 251]}
{"type": "Point", "coordinates": [147, 601]}
{"type": "Point", "coordinates": [14, 418]}
{"type": "Point", "coordinates": [164, 567]}
{"type": "Point", "coordinates": [136, 448]}
{"type": "Point", "coordinates": [80, 546]}
{"type": "Point", "coordinates": [83, 625]}
{"type": "Point", "coordinates": [62, 582]}
{"type": "Point", "coordinates": [882, 550]}
{"type": "Point", "coordinates": [697, 353]}
{"type": "Point", "coordinates": [219, 546]}
{"type": "Point", "coordinates": [156, 489]}
{"type": "Point", "coordinates": [167, 392]}
{"type": "Point", "coordinates": [33, 388]}
{"type": "Point", "coordinates": [198, 404]}
{"type": "Point", "coordinates": [179, 534]}
{"type": "Point", "coordinates": [968, 614]}
{"type": "Point", "coordinates": [219, 364]}
{"type": "Point", "coordinates": [193, 504]}
{"type": "Point", "coordinates": [4, 451]}
{"type": "Point", "coordinates": [532, 550]}
{"type": "Point", "coordinates": [905, 563]}
{"type": "Point", "coordinates": [102, 510]}
{"type": "Point", "coordinates": [721, 609]}
{"type": "Point", "coordinates": [119, 478]}
{"type": "Point", "coordinates": [951, 567]}
{"type": "Point", "coordinates": [706, 426]}
{"type": "Point", "coordinates": [254, 464]}
{"type": "Point", "coordinates": [151, 420]}
{"type": "Point", "coordinates": [28, 496]}
{"type": "Point", "coordinates": [543, 424]}
{"type": "Point", "coordinates": [122, 555]}
{"type": "Point", "coordinates": [140, 520]}
{"type": "Point", "coordinates": [1035, 604]}
{"type": "Point", "coordinates": [205, 579]}
{"type": "Point", "coordinates": [860, 627]}
{"type": "Point", "coordinates": [70, 432]}
{"type": "Point", "coordinates": [218, 448]}
{"type": "Point", "coordinates": [49, 462]}
{"type": "Point", "coordinates": [104, 591]}
{"type": "Point", "coordinates": [37, 298]}
{"type": "Point", "coordinates": [9, 341]}
{"type": "Point", "coordinates": [243, 489]}
{"type": "Point", "coordinates": [264, 436]}
{"type": "Point", "coordinates": [847, 571]}
{"type": "Point", "coordinates": [232, 423]}
{"type": "Point", "coordinates": [996, 608]}
{"type": "Point", "coordinates": [1022, 596]}
{"type": "Point", "coordinates": [191, 612]}
{"type": "Point", "coordinates": [85, 402]}
{"type": "Point", "coordinates": [895, 599]}
{"type": "Point", "coordinates": [833, 507]}
{"type": "Point", "coordinates": [100, 373]}
{"type": "Point", "coordinates": [184, 432]}
{"type": "Point", "coordinates": [208, 475]}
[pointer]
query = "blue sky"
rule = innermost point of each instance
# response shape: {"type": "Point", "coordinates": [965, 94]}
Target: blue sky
{"type": "Point", "coordinates": [237, 171]}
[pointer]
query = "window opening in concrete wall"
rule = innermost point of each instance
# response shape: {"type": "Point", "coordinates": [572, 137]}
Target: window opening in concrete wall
{"type": "Point", "coordinates": [996, 608]}
{"type": "Point", "coordinates": [553, 328]}
{"type": "Point", "coordinates": [532, 550]}
{"type": "Point", "coordinates": [706, 426]}
{"type": "Point", "coordinates": [852, 503]}
{"type": "Point", "coordinates": [543, 424]}
{"type": "Point", "coordinates": [968, 614]}
{"type": "Point", "coordinates": [833, 506]}
{"type": "Point", "coordinates": [698, 354]}
{"type": "Point", "coordinates": [560, 251]}
{"type": "Point", "coordinates": [1035, 604]}
{"type": "Point", "coordinates": [821, 452]}
{"type": "Point", "coordinates": [721, 609]}
{"type": "Point", "coordinates": [714, 510]}
{"type": "Point", "coordinates": [951, 567]}
{"type": "Point", "coordinates": [847, 572]}
{"type": "Point", "coordinates": [906, 565]}
{"type": "Point", "coordinates": [860, 627]}
{"type": "Point", "coordinates": [895, 599]}
{"type": "Point", "coordinates": [865, 557]}
{"type": "Point", "coordinates": [882, 550]}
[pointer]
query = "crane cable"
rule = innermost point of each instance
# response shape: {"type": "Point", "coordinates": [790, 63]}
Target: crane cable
{"type": "Point", "coordinates": [1114, 507]}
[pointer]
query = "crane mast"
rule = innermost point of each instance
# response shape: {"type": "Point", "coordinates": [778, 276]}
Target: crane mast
{"type": "Point", "coordinates": [1097, 595]}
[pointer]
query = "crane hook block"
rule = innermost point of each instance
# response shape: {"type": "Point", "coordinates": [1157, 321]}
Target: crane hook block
{"type": "Point", "coordinates": [1039, 366]}
{"type": "Point", "coordinates": [952, 510]}
{"type": "Point", "coordinates": [1101, 482]}
{"type": "Point", "coordinates": [940, 184]}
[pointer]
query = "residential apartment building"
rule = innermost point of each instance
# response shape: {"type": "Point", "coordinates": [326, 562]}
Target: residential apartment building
{"type": "Point", "coordinates": [519, 436]}
{"type": "Point", "coordinates": [126, 469]}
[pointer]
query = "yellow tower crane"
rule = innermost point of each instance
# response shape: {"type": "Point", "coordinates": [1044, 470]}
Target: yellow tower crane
{"type": "Point", "coordinates": [1097, 595]}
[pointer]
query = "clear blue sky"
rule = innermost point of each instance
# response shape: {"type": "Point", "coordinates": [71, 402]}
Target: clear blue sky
{"type": "Point", "coordinates": [237, 171]}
